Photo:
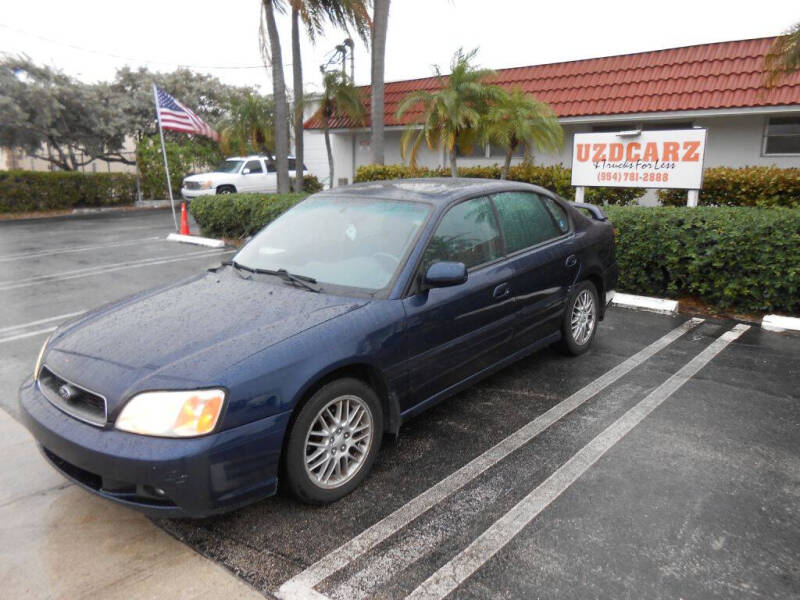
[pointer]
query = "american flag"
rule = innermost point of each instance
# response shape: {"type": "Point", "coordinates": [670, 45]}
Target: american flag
{"type": "Point", "coordinates": [177, 117]}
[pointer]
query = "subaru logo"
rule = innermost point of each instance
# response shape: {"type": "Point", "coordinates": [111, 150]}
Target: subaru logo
{"type": "Point", "coordinates": [67, 392]}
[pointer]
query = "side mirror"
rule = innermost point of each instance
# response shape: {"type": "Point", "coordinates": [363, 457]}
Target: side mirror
{"type": "Point", "coordinates": [245, 171]}
{"type": "Point", "coordinates": [445, 274]}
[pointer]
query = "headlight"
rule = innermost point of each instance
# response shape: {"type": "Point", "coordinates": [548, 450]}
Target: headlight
{"type": "Point", "coordinates": [172, 414]}
{"type": "Point", "coordinates": [207, 185]}
{"type": "Point", "coordinates": [39, 358]}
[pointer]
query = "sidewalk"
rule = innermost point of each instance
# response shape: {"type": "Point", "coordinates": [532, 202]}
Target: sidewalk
{"type": "Point", "coordinates": [62, 542]}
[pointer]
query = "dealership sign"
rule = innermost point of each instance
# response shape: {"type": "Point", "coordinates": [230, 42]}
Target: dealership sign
{"type": "Point", "coordinates": [648, 159]}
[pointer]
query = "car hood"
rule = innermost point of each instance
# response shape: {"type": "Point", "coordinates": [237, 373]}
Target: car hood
{"type": "Point", "coordinates": [201, 177]}
{"type": "Point", "coordinates": [187, 334]}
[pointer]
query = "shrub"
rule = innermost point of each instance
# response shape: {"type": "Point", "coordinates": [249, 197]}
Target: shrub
{"type": "Point", "coordinates": [748, 186]}
{"type": "Point", "coordinates": [731, 257]}
{"type": "Point", "coordinates": [239, 215]}
{"type": "Point", "coordinates": [555, 178]}
{"type": "Point", "coordinates": [24, 191]}
{"type": "Point", "coordinates": [311, 185]}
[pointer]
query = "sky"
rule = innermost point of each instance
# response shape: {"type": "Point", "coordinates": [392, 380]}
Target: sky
{"type": "Point", "coordinates": [90, 39]}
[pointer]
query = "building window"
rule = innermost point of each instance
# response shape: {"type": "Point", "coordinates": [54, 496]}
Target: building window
{"type": "Point", "coordinates": [500, 151]}
{"type": "Point", "coordinates": [782, 135]}
{"type": "Point", "coordinates": [478, 151]}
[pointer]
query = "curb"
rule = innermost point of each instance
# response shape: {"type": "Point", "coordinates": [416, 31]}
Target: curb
{"type": "Point", "coordinates": [779, 323]}
{"type": "Point", "coordinates": [195, 239]}
{"type": "Point", "coordinates": [656, 305]}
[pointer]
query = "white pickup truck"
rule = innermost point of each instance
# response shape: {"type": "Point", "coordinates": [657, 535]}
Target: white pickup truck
{"type": "Point", "coordinates": [237, 174]}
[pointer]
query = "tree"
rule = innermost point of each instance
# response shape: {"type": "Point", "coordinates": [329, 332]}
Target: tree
{"type": "Point", "coordinates": [58, 119]}
{"type": "Point", "coordinates": [339, 97]}
{"type": "Point", "coordinates": [783, 57]}
{"type": "Point", "coordinates": [518, 119]}
{"type": "Point", "coordinates": [451, 114]}
{"type": "Point", "coordinates": [313, 14]}
{"type": "Point", "coordinates": [380, 24]}
{"type": "Point", "coordinates": [248, 126]}
{"type": "Point", "coordinates": [271, 51]}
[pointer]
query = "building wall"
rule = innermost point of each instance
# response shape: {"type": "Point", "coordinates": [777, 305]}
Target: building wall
{"type": "Point", "coordinates": [733, 141]}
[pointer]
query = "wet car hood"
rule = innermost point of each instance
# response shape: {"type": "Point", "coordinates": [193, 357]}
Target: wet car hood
{"type": "Point", "coordinates": [189, 333]}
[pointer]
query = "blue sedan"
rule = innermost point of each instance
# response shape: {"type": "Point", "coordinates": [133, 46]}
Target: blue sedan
{"type": "Point", "coordinates": [351, 313]}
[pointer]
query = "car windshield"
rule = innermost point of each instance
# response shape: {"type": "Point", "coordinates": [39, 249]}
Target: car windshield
{"type": "Point", "coordinates": [228, 166]}
{"type": "Point", "coordinates": [349, 242]}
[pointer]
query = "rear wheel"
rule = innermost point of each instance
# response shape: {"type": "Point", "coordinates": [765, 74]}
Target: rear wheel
{"type": "Point", "coordinates": [579, 327]}
{"type": "Point", "coordinates": [334, 441]}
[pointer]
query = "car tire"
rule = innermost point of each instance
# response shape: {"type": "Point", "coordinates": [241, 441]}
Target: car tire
{"type": "Point", "coordinates": [328, 457]}
{"type": "Point", "coordinates": [226, 189]}
{"type": "Point", "coordinates": [579, 325]}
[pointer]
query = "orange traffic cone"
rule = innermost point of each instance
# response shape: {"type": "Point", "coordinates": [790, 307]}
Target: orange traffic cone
{"type": "Point", "coordinates": [184, 220]}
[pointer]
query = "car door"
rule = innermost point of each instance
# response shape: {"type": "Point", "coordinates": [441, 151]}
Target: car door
{"type": "Point", "coordinates": [457, 331]}
{"type": "Point", "coordinates": [253, 176]}
{"type": "Point", "coordinates": [539, 250]}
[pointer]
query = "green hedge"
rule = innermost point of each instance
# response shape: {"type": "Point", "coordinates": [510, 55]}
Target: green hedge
{"type": "Point", "coordinates": [555, 178]}
{"type": "Point", "coordinates": [239, 215]}
{"type": "Point", "coordinates": [25, 191]}
{"type": "Point", "coordinates": [746, 259]}
{"type": "Point", "coordinates": [748, 186]}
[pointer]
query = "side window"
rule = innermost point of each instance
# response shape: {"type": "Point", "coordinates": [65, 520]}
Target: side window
{"type": "Point", "coordinates": [254, 166]}
{"type": "Point", "coordinates": [524, 219]}
{"type": "Point", "coordinates": [292, 162]}
{"type": "Point", "coordinates": [468, 233]}
{"type": "Point", "coordinates": [559, 214]}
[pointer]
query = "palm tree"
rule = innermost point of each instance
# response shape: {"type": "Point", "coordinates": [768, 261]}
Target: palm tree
{"type": "Point", "coordinates": [518, 119]}
{"type": "Point", "coordinates": [452, 114]}
{"type": "Point", "coordinates": [313, 13]}
{"type": "Point", "coordinates": [380, 24]}
{"type": "Point", "coordinates": [271, 51]}
{"type": "Point", "coordinates": [783, 57]}
{"type": "Point", "coordinates": [339, 97]}
{"type": "Point", "coordinates": [248, 128]}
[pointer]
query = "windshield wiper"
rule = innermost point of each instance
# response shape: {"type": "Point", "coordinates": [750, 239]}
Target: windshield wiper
{"type": "Point", "coordinates": [238, 267]}
{"type": "Point", "coordinates": [302, 281]}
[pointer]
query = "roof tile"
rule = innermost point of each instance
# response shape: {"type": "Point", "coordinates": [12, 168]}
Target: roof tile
{"type": "Point", "coordinates": [707, 76]}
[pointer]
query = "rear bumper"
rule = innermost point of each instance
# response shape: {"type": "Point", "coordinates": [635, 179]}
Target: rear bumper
{"type": "Point", "coordinates": [161, 477]}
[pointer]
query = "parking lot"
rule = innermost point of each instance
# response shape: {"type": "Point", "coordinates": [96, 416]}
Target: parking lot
{"type": "Point", "coordinates": [664, 463]}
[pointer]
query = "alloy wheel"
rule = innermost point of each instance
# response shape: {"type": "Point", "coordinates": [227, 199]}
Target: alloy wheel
{"type": "Point", "coordinates": [338, 441]}
{"type": "Point", "coordinates": [583, 318]}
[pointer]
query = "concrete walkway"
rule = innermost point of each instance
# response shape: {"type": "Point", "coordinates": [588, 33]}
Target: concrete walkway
{"type": "Point", "coordinates": [59, 541]}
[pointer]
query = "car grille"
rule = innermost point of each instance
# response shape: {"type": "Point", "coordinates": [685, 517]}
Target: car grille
{"type": "Point", "coordinates": [192, 185]}
{"type": "Point", "coordinates": [73, 399]}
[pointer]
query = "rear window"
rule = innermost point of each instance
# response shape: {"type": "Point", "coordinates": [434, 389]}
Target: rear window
{"type": "Point", "coordinates": [524, 219]}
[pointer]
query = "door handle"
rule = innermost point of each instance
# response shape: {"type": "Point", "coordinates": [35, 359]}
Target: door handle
{"type": "Point", "coordinates": [501, 291]}
{"type": "Point", "coordinates": [572, 260]}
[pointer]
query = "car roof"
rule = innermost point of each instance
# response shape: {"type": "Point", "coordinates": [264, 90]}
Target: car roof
{"type": "Point", "coordinates": [434, 190]}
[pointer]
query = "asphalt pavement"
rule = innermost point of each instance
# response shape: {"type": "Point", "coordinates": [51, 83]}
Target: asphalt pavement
{"type": "Point", "coordinates": [664, 463]}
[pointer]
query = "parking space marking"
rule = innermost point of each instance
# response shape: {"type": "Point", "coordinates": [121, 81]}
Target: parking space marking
{"type": "Point", "coordinates": [27, 334]}
{"type": "Point", "coordinates": [68, 250]}
{"type": "Point", "coordinates": [101, 269]}
{"type": "Point", "coordinates": [448, 577]}
{"type": "Point", "coordinates": [40, 321]}
{"type": "Point", "coordinates": [302, 585]}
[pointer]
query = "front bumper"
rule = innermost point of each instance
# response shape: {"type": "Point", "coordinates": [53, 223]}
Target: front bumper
{"type": "Point", "coordinates": [163, 477]}
{"type": "Point", "coordinates": [191, 194]}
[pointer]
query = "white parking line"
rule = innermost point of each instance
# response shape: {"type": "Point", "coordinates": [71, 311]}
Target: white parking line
{"type": "Point", "coordinates": [99, 270]}
{"type": "Point", "coordinates": [69, 250]}
{"type": "Point", "coordinates": [302, 585]}
{"type": "Point", "coordinates": [27, 334]}
{"type": "Point", "coordinates": [451, 575]}
{"type": "Point", "coordinates": [40, 321]}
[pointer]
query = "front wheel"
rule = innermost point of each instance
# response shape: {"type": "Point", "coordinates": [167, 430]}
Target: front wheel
{"type": "Point", "coordinates": [579, 327]}
{"type": "Point", "coordinates": [334, 441]}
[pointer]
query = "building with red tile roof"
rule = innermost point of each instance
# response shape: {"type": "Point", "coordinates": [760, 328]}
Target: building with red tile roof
{"type": "Point", "coordinates": [717, 86]}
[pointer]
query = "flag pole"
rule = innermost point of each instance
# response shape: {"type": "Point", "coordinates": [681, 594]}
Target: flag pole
{"type": "Point", "coordinates": [164, 153]}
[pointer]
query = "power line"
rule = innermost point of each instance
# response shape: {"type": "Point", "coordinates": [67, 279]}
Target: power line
{"type": "Point", "coordinates": [131, 59]}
